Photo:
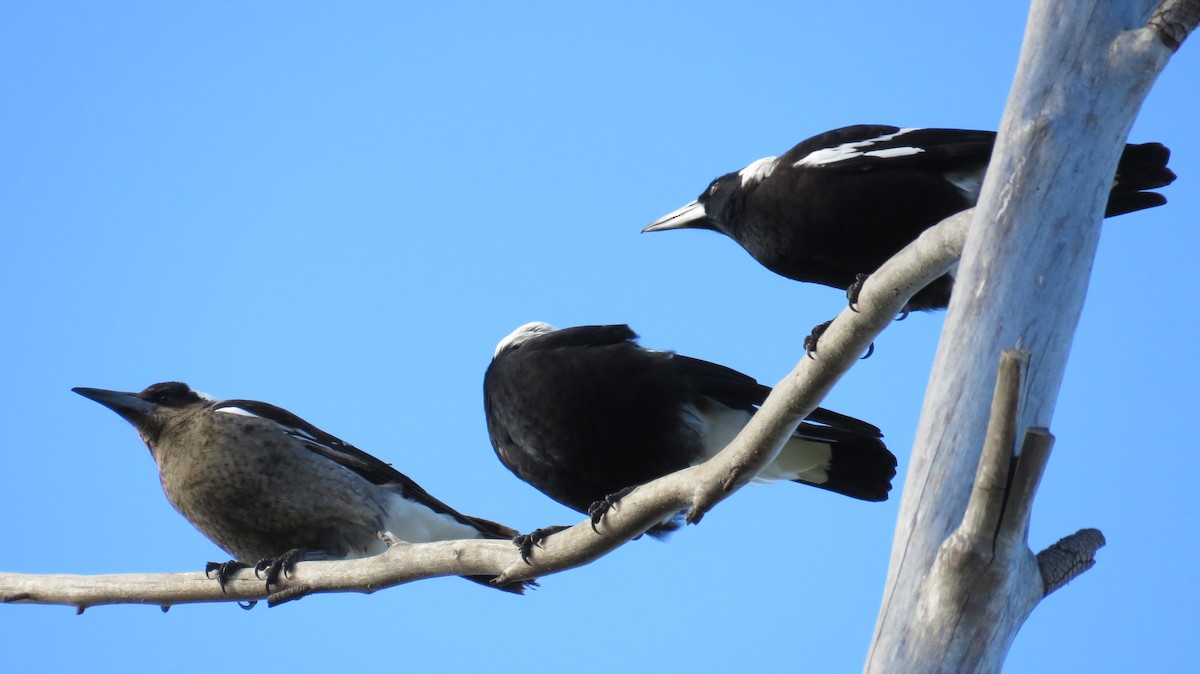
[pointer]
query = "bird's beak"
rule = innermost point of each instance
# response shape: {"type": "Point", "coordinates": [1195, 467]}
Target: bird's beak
{"type": "Point", "coordinates": [128, 405]}
{"type": "Point", "coordinates": [690, 216]}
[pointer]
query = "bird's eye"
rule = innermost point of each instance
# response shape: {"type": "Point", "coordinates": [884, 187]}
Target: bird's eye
{"type": "Point", "coordinates": [712, 189]}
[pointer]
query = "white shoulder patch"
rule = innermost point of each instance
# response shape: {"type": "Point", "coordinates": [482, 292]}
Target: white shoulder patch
{"type": "Point", "coordinates": [859, 148]}
{"type": "Point", "coordinates": [523, 334]}
{"type": "Point", "coordinates": [758, 171]}
{"type": "Point", "coordinates": [236, 410]}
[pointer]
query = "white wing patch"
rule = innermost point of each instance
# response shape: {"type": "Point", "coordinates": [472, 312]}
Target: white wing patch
{"type": "Point", "coordinates": [758, 171]}
{"type": "Point", "coordinates": [412, 522]}
{"type": "Point", "coordinates": [858, 148]}
{"type": "Point", "coordinates": [236, 410]}
{"type": "Point", "coordinates": [968, 182]}
{"type": "Point", "coordinates": [803, 459]}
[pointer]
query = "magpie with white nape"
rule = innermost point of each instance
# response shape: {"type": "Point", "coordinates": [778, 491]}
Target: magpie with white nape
{"type": "Point", "coordinates": [584, 414]}
{"type": "Point", "coordinates": [271, 489]}
{"type": "Point", "coordinates": [841, 203]}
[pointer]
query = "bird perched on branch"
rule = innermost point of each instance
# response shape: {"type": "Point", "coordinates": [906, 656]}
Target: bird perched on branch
{"type": "Point", "coordinates": [839, 204]}
{"type": "Point", "coordinates": [271, 489]}
{"type": "Point", "coordinates": [584, 414]}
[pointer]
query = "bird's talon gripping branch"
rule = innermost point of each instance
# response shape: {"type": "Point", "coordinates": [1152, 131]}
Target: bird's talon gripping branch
{"type": "Point", "coordinates": [854, 290]}
{"type": "Point", "coordinates": [527, 542]}
{"type": "Point", "coordinates": [277, 566]}
{"type": "Point", "coordinates": [599, 509]}
{"type": "Point", "coordinates": [224, 571]}
{"type": "Point", "coordinates": [811, 340]}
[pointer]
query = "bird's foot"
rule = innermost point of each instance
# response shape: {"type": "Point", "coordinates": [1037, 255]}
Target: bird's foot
{"type": "Point", "coordinates": [810, 342]}
{"type": "Point", "coordinates": [224, 571]}
{"type": "Point", "coordinates": [853, 291]}
{"type": "Point", "coordinates": [271, 568]}
{"type": "Point", "coordinates": [600, 508]}
{"type": "Point", "coordinates": [527, 542]}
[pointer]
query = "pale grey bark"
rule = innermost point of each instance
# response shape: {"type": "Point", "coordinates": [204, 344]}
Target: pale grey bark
{"type": "Point", "coordinates": [1085, 68]}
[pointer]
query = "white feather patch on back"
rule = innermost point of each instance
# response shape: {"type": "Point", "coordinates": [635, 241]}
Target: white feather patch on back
{"type": "Point", "coordinates": [799, 458]}
{"type": "Point", "coordinates": [758, 171]}
{"type": "Point", "coordinates": [412, 522]}
{"type": "Point", "coordinates": [967, 182]}
{"type": "Point", "coordinates": [859, 148]}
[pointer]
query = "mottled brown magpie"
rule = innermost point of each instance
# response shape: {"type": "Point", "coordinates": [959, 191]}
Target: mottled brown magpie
{"type": "Point", "coordinates": [585, 413]}
{"type": "Point", "coordinates": [839, 204]}
{"type": "Point", "coordinates": [271, 489]}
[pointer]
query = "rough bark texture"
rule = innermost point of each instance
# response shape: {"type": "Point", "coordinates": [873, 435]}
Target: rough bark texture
{"type": "Point", "coordinates": [1085, 68]}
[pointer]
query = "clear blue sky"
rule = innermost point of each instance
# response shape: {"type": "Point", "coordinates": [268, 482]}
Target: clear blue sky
{"type": "Point", "coordinates": [342, 210]}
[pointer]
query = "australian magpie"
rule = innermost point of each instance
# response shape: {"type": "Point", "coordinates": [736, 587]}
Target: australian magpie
{"type": "Point", "coordinates": [841, 203]}
{"type": "Point", "coordinates": [584, 413]}
{"type": "Point", "coordinates": [271, 489]}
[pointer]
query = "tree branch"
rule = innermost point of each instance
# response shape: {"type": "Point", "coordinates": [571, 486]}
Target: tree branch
{"type": "Point", "coordinates": [697, 489]}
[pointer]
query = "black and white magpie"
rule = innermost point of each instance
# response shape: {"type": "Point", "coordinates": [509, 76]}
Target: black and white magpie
{"type": "Point", "coordinates": [585, 413]}
{"type": "Point", "coordinates": [841, 203]}
{"type": "Point", "coordinates": [271, 489]}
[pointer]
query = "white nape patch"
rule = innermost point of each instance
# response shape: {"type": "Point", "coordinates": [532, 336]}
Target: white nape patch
{"type": "Point", "coordinates": [798, 458]}
{"type": "Point", "coordinates": [758, 171]}
{"type": "Point", "coordinates": [412, 522]}
{"type": "Point", "coordinates": [846, 151]}
{"type": "Point", "coordinates": [967, 182]}
{"type": "Point", "coordinates": [523, 334]}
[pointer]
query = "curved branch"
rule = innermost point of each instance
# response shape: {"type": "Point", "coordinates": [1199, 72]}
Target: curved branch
{"type": "Point", "coordinates": [697, 489]}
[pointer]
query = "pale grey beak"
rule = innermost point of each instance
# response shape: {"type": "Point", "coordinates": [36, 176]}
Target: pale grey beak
{"type": "Point", "coordinates": [690, 216]}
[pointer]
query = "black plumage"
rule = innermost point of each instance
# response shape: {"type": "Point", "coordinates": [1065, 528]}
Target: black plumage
{"type": "Point", "coordinates": [582, 413]}
{"type": "Point", "coordinates": [271, 489]}
{"type": "Point", "coordinates": [841, 203]}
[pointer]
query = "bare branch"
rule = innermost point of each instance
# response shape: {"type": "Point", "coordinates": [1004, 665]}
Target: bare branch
{"type": "Point", "coordinates": [698, 488]}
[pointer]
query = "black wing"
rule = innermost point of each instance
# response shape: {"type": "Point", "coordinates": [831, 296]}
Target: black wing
{"type": "Point", "coordinates": [874, 149]}
{"type": "Point", "coordinates": [367, 466]}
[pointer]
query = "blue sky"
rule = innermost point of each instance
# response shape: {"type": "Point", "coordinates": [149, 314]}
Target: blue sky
{"type": "Point", "coordinates": [342, 210]}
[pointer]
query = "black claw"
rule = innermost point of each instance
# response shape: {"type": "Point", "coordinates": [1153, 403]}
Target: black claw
{"type": "Point", "coordinates": [247, 605]}
{"type": "Point", "coordinates": [276, 566]}
{"type": "Point", "coordinates": [810, 342]}
{"type": "Point", "coordinates": [854, 290]}
{"type": "Point", "coordinates": [526, 542]}
{"type": "Point", "coordinates": [600, 508]}
{"type": "Point", "coordinates": [903, 313]}
{"type": "Point", "coordinates": [224, 571]}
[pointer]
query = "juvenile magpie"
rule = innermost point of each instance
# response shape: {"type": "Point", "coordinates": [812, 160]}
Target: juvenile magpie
{"type": "Point", "coordinates": [841, 203]}
{"type": "Point", "coordinates": [271, 489]}
{"type": "Point", "coordinates": [583, 414]}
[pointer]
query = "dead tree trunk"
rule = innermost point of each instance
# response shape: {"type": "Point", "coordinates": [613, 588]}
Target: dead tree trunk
{"type": "Point", "coordinates": [962, 580]}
